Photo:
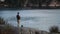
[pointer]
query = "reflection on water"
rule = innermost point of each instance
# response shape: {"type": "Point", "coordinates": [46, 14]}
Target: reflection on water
{"type": "Point", "coordinates": [39, 19]}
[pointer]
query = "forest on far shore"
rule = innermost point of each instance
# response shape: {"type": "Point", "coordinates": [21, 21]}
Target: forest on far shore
{"type": "Point", "coordinates": [30, 4]}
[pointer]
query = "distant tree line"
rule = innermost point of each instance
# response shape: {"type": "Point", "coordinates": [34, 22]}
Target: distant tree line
{"type": "Point", "coordinates": [20, 3]}
{"type": "Point", "coordinates": [46, 2]}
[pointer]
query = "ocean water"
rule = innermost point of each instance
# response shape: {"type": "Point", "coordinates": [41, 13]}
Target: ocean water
{"type": "Point", "coordinates": [38, 19]}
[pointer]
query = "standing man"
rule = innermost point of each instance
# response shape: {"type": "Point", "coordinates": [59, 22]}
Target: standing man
{"type": "Point", "coordinates": [18, 17]}
{"type": "Point", "coordinates": [18, 21]}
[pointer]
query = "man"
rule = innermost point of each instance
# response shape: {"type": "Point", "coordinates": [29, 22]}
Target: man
{"type": "Point", "coordinates": [18, 17]}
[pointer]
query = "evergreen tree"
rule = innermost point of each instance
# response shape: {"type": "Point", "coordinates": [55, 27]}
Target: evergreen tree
{"type": "Point", "coordinates": [48, 2]}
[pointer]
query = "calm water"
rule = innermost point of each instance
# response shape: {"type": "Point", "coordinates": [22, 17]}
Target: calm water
{"type": "Point", "coordinates": [38, 19]}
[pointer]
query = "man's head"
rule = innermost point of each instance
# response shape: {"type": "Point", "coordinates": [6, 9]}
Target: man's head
{"type": "Point", "coordinates": [18, 13]}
